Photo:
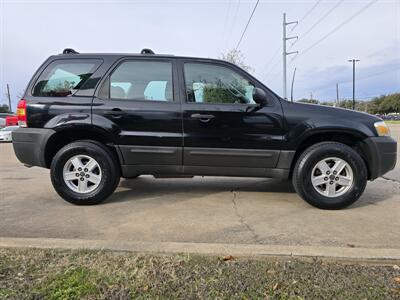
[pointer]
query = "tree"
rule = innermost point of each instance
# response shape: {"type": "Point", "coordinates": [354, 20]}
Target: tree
{"type": "Point", "coordinates": [236, 57]}
{"type": "Point", "coordinates": [4, 108]}
{"type": "Point", "coordinates": [327, 103]}
{"type": "Point", "coordinates": [312, 101]}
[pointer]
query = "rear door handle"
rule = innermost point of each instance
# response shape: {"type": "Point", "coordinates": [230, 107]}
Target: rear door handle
{"type": "Point", "coordinates": [115, 113]}
{"type": "Point", "coordinates": [202, 117]}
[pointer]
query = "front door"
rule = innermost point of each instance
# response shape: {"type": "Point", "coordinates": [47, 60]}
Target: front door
{"type": "Point", "coordinates": [139, 103]}
{"type": "Point", "coordinates": [224, 129]}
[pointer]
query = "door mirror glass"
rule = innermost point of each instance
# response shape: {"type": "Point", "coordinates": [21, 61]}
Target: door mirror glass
{"type": "Point", "coordinates": [260, 96]}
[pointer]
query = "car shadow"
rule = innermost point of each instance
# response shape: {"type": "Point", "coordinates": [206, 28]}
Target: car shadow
{"type": "Point", "coordinates": [370, 198]}
{"type": "Point", "coordinates": [148, 187]}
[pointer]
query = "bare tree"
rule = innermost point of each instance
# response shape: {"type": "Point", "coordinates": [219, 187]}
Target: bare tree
{"type": "Point", "coordinates": [236, 57]}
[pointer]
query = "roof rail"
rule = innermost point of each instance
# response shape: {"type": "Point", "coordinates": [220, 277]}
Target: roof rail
{"type": "Point", "coordinates": [69, 51]}
{"type": "Point", "coordinates": [147, 51]}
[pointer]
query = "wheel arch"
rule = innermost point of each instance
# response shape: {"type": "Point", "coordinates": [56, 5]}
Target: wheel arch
{"type": "Point", "coordinates": [351, 138]}
{"type": "Point", "coordinates": [67, 135]}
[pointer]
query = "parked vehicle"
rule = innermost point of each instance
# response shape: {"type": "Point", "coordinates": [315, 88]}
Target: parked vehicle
{"type": "Point", "coordinates": [11, 121]}
{"type": "Point", "coordinates": [92, 118]}
{"type": "Point", "coordinates": [5, 133]}
{"type": "Point", "coordinates": [3, 117]}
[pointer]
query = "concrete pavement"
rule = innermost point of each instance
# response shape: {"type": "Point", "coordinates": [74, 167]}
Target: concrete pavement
{"type": "Point", "coordinates": [207, 210]}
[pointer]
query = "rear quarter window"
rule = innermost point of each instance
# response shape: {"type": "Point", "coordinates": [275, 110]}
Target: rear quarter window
{"type": "Point", "coordinates": [63, 77]}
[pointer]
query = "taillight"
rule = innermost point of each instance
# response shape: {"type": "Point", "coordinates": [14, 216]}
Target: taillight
{"type": "Point", "coordinates": [21, 113]}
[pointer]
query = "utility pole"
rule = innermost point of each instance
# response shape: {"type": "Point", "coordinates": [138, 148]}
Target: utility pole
{"type": "Point", "coordinates": [337, 94]}
{"type": "Point", "coordinates": [354, 80]}
{"type": "Point", "coordinates": [9, 99]}
{"type": "Point", "coordinates": [291, 89]}
{"type": "Point", "coordinates": [284, 53]}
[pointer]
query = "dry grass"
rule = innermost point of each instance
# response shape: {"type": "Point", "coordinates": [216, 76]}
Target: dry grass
{"type": "Point", "coordinates": [62, 274]}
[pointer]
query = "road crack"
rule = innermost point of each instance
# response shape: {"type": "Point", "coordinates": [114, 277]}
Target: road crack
{"type": "Point", "coordinates": [242, 219]}
{"type": "Point", "coordinates": [391, 179]}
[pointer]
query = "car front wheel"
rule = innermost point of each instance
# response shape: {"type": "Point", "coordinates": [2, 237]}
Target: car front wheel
{"type": "Point", "coordinates": [84, 172]}
{"type": "Point", "coordinates": [330, 175]}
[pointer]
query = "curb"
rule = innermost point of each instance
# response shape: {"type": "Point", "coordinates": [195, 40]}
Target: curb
{"type": "Point", "coordinates": [375, 254]}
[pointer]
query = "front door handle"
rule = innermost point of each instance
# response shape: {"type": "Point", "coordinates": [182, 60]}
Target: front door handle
{"type": "Point", "coordinates": [202, 117]}
{"type": "Point", "coordinates": [115, 113]}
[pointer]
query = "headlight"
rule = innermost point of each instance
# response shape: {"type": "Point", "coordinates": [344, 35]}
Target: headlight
{"type": "Point", "coordinates": [382, 129]}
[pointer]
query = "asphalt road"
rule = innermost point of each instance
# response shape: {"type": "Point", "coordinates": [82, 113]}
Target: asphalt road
{"type": "Point", "coordinates": [198, 210]}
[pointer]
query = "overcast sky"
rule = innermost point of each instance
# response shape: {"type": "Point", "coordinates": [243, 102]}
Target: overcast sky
{"type": "Point", "coordinates": [33, 30]}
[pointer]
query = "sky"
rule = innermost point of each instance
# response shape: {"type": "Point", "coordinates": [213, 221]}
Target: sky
{"type": "Point", "coordinates": [330, 32]}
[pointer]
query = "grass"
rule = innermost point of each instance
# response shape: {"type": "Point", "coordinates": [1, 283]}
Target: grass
{"type": "Point", "coordinates": [66, 274]}
{"type": "Point", "coordinates": [392, 122]}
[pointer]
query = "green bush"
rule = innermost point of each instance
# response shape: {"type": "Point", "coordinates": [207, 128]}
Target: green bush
{"type": "Point", "coordinates": [218, 94]}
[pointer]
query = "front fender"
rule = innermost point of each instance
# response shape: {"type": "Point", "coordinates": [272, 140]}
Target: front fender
{"type": "Point", "coordinates": [304, 130]}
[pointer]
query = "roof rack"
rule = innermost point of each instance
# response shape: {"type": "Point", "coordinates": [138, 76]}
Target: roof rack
{"type": "Point", "coordinates": [147, 51]}
{"type": "Point", "coordinates": [69, 51]}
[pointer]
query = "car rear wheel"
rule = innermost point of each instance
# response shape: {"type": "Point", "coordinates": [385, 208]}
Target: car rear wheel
{"type": "Point", "coordinates": [330, 175]}
{"type": "Point", "coordinates": [84, 172]}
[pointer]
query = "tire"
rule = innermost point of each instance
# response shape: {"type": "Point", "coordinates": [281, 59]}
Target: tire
{"type": "Point", "coordinates": [310, 169]}
{"type": "Point", "coordinates": [97, 184]}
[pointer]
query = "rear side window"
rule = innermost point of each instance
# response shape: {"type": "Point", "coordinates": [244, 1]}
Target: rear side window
{"type": "Point", "coordinates": [64, 77]}
{"type": "Point", "coordinates": [142, 80]}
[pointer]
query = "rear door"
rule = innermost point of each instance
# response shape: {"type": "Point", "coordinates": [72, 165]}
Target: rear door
{"type": "Point", "coordinates": [138, 102]}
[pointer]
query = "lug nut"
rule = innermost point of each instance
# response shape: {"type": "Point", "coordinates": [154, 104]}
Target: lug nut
{"type": "Point", "coordinates": [77, 174]}
{"type": "Point", "coordinates": [337, 178]}
{"type": "Point", "coordinates": [326, 178]}
{"type": "Point", "coordinates": [327, 172]}
{"type": "Point", "coordinates": [334, 172]}
{"type": "Point", "coordinates": [85, 170]}
{"type": "Point", "coordinates": [79, 169]}
{"type": "Point", "coordinates": [82, 179]}
{"type": "Point", "coordinates": [87, 176]}
{"type": "Point", "coordinates": [331, 182]}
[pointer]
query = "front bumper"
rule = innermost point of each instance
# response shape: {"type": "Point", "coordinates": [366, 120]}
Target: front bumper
{"type": "Point", "coordinates": [29, 145]}
{"type": "Point", "coordinates": [5, 138]}
{"type": "Point", "coordinates": [381, 155]}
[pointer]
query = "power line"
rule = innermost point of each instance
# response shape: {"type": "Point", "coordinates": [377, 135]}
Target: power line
{"type": "Point", "coordinates": [271, 60]}
{"type": "Point", "coordinates": [247, 25]}
{"type": "Point", "coordinates": [359, 78]}
{"type": "Point", "coordinates": [338, 27]}
{"type": "Point", "coordinates": [233, 23]}
{"type": "Point", "coordinates": [306, 14]}
{"type": "Point", "coordinates": [373, 75]}
{"type": "Point", "coordinates": [226, 23]}
{"type": "Point", "coordinates": [302, 36]}
{"type": "Point", "coordinates": [270, 69]}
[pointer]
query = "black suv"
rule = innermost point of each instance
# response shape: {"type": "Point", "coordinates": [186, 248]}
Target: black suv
{"type": "Point", "coordinates": [92, 118]}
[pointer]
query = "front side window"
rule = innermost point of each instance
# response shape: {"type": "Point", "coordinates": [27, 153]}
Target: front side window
{"type": "Point", "coordinates": [142, 80]}
{"type": "Point", "coordinates": [208, 83]}
{"type": "Point", "coordinates": [64, 77]}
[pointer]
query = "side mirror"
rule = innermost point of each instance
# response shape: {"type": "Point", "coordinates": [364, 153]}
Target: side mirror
{"type": "Point", "coordinates": [260, 96]}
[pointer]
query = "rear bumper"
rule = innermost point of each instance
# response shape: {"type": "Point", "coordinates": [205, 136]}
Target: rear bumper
{"type": "Point", "coordinates": [382, 155]}
{"type": "Point", "coordinates": [29, 145]}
